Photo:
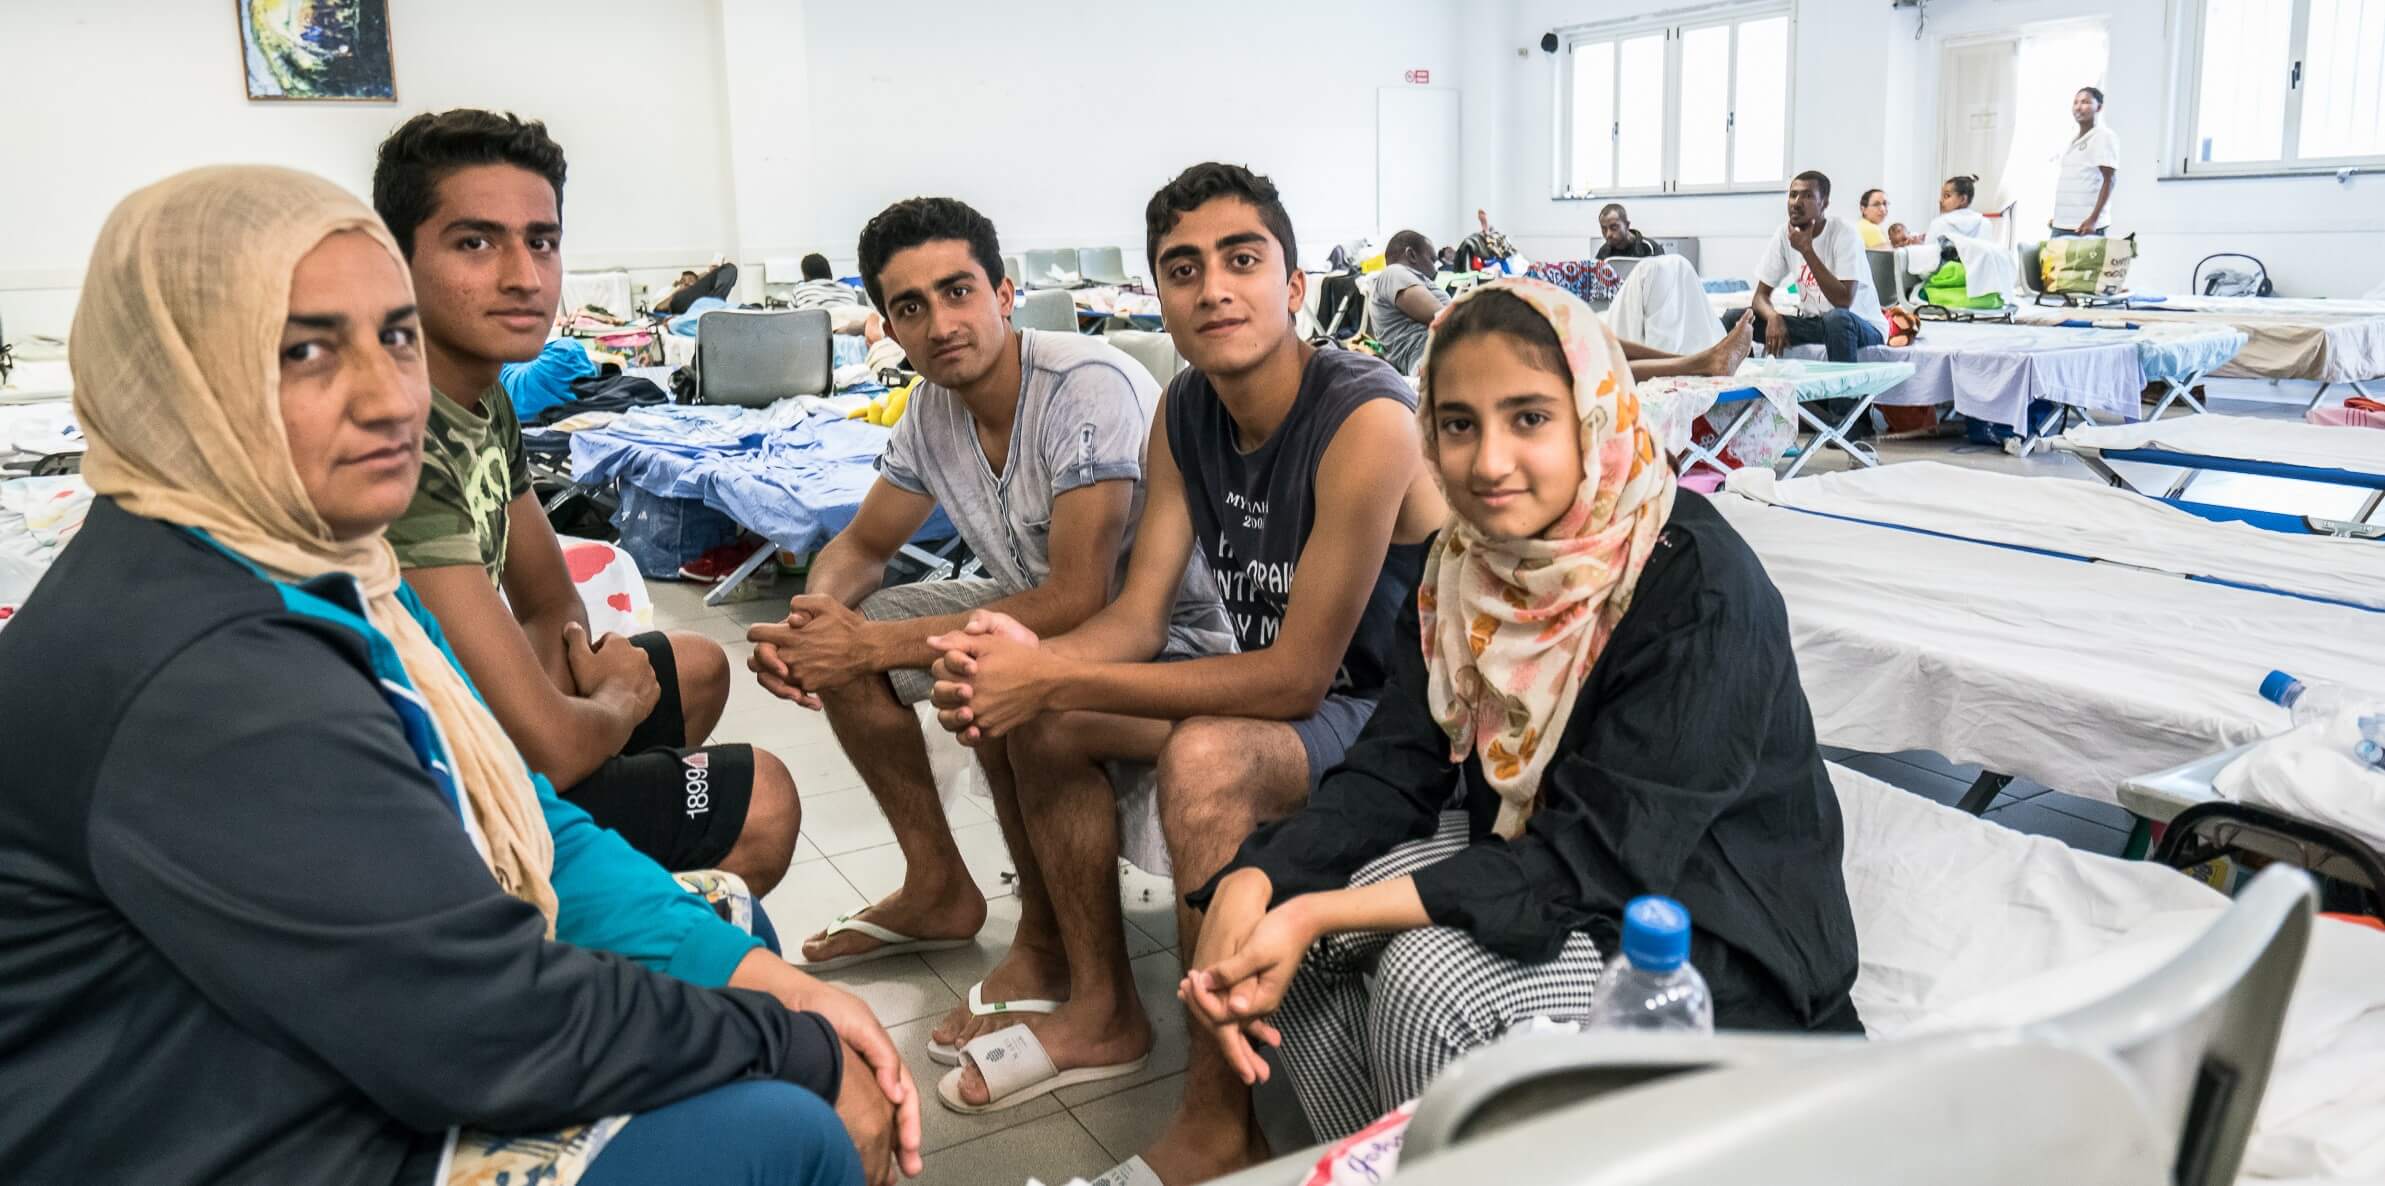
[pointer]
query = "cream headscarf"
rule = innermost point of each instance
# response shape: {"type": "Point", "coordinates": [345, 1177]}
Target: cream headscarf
{"type": "Point", "coordinates": [1512, 627]}
{"type": "Point", "coordinates": [176, 360]}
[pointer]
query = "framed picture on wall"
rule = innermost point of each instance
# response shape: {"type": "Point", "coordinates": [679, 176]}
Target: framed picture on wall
{"type": "Point", "coordinates": [317, 50]}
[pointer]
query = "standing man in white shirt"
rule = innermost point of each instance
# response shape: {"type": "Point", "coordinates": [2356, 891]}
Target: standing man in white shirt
{"type": "Point", "coordinates": [2083, 182]}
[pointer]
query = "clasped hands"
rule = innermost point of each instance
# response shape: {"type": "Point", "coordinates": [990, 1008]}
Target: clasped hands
{"type": "Point", "coordinates": [818, 648]}
{"type": "Point", "coordinates": [992, 677]}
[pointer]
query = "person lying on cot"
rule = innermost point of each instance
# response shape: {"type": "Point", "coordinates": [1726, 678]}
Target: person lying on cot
{"type": "Point", "coordinates": [280, 885]}
{"type": "Point", "coordinates": [1600, 670]}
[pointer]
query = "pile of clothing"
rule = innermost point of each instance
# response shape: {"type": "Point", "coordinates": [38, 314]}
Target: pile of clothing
{"type": "Point", "coordinates": [38, 517]}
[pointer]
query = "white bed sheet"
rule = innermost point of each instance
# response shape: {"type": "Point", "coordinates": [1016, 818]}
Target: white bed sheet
{"type": "Point", "coordinates": [2086, 519]}
{"type": "Point", "coordinates": [1990, 373]}
{"type": "Point", "coordinates": [2246, 438]}
{"type": "Point", "coordinates": [38, 381]}
{"type": "Point", "coordinates": [1961, 922]}
{"type": "Point", "coordinates": [609, 290]}
{"type": "Point", "coordinates": [2074, 675]}
{"type": "Point", "coordinates": [2332, 346]}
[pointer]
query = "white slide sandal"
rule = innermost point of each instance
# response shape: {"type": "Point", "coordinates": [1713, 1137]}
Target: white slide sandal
{"type": "Point", "coordinates": [1016, 1070]}
{"type": "Point", "coordinates": [950, 1056]}
{"type": "Point", "coordinates": [1133, 1171]}
{"type": "Point", "coordinates": [890, 943]}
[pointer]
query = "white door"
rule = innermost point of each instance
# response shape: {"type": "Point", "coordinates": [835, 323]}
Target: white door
{"type": "Point", "coordinates": [1416, 165]}
{"type": "Point", "coordinates": [1976, 117]}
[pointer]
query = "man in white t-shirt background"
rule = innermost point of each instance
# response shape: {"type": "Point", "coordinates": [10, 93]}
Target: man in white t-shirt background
{"type": "Point", "coordinates": [2084, 179]}
{"type": "Point", "coordinates": [1813, 285]}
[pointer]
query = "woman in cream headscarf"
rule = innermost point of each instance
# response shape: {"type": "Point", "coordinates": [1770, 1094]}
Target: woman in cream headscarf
{"type": "Point", "coordinates": [1601, 694]}
{"type": "Point", "coordinates": [283, 890]}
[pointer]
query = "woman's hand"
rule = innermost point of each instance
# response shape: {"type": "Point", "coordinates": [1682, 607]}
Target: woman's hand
{"type": "Point", "coordinates": [869, 1121]}
{"type": "Point", "coordinates": [870, 1050]}
{"type": "Point", "coordinates": [1239, 930]}
{"type": "Point", "coordinates": [1250, 981]}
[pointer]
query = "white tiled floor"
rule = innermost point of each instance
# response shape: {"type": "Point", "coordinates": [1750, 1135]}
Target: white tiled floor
{"type": "Point", "coordinates": [847, 858]}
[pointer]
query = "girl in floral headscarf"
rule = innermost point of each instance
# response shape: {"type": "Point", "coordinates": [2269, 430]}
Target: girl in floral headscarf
{"type": "Point", "coordinates": [1600, 703]}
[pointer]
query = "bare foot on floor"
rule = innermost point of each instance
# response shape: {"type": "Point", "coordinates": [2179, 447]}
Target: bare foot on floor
{"type": "Point", "coordinates": [1191, 1151]}
{"type": "Point", "coordinates": [1026, 973]}
{"type": "Point", "coordinates": [1723, 357]}
{"type": "Point", "coordinates": [1074, 1038]}
{"type": "Point", "coordinates": [955, 914]}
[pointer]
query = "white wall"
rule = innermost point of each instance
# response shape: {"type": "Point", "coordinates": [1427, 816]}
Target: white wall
{"type": "Point", "coordinates": [1840, 84]}
{"type": "Point", "coordinates": [642, 191]}
{"type": "Point", "coordinates": [1058, 119]}
{"type": "Point", "coordinates": [2318, 237]}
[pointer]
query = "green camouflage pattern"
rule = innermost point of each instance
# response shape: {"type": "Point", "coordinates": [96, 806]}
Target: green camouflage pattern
{"type": "Point", "coordinates": [472, 466]}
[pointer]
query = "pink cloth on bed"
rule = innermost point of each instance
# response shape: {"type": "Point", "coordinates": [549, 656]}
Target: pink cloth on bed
{"type": "Point", "coordinates": [2340, 416]}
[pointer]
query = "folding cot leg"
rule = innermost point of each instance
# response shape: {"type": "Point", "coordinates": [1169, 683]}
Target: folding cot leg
{"type": "Point", "coordinates": [2096, 465]}
{"type": "Point", "coordinates": [1711, 455]}
{"type": "Point", "coordinates": [2181, 390]}
{"type": "Point", "coordinates": [720, 592]}
{"type": "Point", "coordinates": [566, 495]}
{"type": "Point", "coordinates": [2058, 418]}
{"type": "Point", "coordinates": [1983, 792]}
{"type": "Point", "coordinates": [2370, 507]}
{"type": "Point", "coordinates": [1824, 434]}
{"type": "Point", "coordinates": [938, 566]}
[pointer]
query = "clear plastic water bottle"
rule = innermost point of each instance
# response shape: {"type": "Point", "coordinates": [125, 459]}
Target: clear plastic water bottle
{"type": "Point", "coordinates": [1650, 985]}
{"type": "Point", "coordinates": [2310, 701]}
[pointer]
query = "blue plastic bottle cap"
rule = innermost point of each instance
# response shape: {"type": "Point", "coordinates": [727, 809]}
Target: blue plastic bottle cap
{"type": "Point", "coordinates": [2275, 686]}
{"type": "Point", "coordinates": [1655, 933]}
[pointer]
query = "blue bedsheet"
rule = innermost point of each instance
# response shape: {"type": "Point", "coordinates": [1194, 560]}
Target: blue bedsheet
{"type": "Point", "coordinates": [784, 472]}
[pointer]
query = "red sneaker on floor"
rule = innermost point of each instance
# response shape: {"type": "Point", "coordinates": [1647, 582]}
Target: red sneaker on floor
{"type": "Point", "coordinates": [711, 567]}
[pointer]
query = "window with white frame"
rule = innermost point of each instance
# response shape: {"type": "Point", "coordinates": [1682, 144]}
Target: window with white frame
{"type": "Point", "coordinates": [1688, 103]}
{"type": "Point", "coordinates": [2281, 86]}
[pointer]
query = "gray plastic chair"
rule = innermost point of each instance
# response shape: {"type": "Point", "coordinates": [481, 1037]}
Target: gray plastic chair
{"type": "Point", "coordinates": [2200, 1032]}
{"type": "Point", "coordinates": [2032, 268]}
{"type": "Point", "coordinates": [1156, 351]}
{"type": "Point", "coordinates": [1069, 261]}
{"type": "Point", "coordinates": [1015, 270]}
{"type": "Point", "coordinates": [1685, 246]}
{"type": "Point", "coordinates": [1981, 1109]}
{"type": "Point", "coordinates": [751, 359]}
{"type": "Point", "coordinates": [1047, 309]}
{"type": "Point", "coordinates": [1039, 268]}
{"type": "Point", "coordinates": [1884, 284]}
{"type": "Point", "coordinates": [1102, 265]}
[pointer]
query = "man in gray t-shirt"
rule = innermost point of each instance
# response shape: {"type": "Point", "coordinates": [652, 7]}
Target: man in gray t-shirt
{"type": "Point", "coordinates": [1032, 444]}
{"type": "Point", "coordinates": [1402, 300]}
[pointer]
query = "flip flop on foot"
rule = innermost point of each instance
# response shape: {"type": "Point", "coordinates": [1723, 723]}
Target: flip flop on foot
{"type": "Point", "coordinates": [950, 1056]}
{"type": "Point", "coordinates": [890, 943]}
{"type": "Point", "coordinates": [1016, 1070]}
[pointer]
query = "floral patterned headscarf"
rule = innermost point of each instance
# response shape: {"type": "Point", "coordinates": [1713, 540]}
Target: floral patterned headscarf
{"type": "Point", "coordinates": [1512, 627]}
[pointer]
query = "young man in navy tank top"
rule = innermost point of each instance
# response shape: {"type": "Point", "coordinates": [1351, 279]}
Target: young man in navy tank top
{"type": "Point", "coordinates": [1296, 475]}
